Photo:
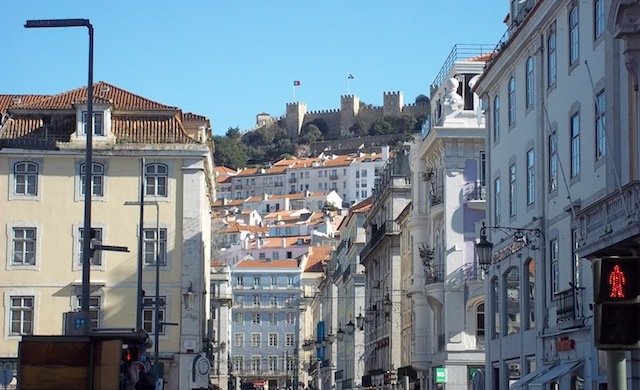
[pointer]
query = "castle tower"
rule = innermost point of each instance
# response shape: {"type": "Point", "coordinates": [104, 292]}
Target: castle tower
{"type": "Point", "coordinates": [294, 118]}
{"type": "Point", "coordinates": [349, 108]}
{"type": "Point", "coordinates": [392, 103]}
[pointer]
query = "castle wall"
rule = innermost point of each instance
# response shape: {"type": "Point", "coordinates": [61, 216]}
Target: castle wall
{"type": "Point", "coordinates": [331, 117]}
{"type": "Point", "coordinates": [294, 118]}
{"type": "Point", "coordinates": [349, 109]}
{"type": "Point", "coordinates": [392, 103]}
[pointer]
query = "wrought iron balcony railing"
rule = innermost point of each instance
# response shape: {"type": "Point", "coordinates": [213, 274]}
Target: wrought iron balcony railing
{"type": "Point", "coordinates": [388, 228]}
{"type": "Point", "coordinates": [474, 191]}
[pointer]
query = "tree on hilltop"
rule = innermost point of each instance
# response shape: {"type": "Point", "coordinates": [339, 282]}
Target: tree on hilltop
{"type": "Point", "coordinates": [309, 134]}
{"type": "Point", "coordinates": [229, 153]}
{"type": "Point", "coordinates": [234, 133]}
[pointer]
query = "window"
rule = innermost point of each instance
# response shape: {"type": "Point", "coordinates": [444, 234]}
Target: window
{"type": "Point", "coordinates": [555, 266]}
{"type": "Point", "coordinates": [551, 58]}
{"type": "Point", "coordinates": [496, 200]}
{"type": "Point", "coordinates": [238, 363]}
{"type": "Point", "coordinates": [239, 281]}
{"type": "Point", "coordinates": [256, 300]}
{"type": "Point", "coordinates": [364, 173]}
{"type": "Point", "coordinates": [531, 290]}
{"type": "Point", "coordinates": [574, 36]}
{"type": "Point", "coordinates": [512, 292]}
{"type": "Point", "coordinates": [98, 124]}
{"type": "Point", "coordinates": [273, 363]}
{"type": "Point", "coordinates": [598, 19]}
{"type": "Point", "coordinates": [480, 324]}
{"type": "Point", "coordinates": [274, 281]}
{"type": "Point", "coordinates": [273, 339]}
{"type": "Point", "coordinates": [601, 146]}
{"type": "Point", "coordinates": [290, 281]}
{"type": "Point", "coordinates": [97, 179]}
{"type": "Point", "coordinates": [21, 312]}
{"type": "Point", "coordinates": [156, 177]}
{"type": "Point", "coordinates": [531, 183]}
{"type": "Point", "coordinates": [256, 319]}
{"type": "Point", "coordinates": [275, 255]}
{"type": "Point", "coordinates": [288, 339]}
{"type": "Point", "coordinates": [256, 281]}
{"type": "Point", "coordinates": [150, 248]}
{"type": "Point", "coordinates": [513, 203]}
{"type": "Point", "coordinates": [273, 301]}
{"type": "Point", "coordinates": [94, 310]}
{"type": "Point", "coordinates": [255, 363]}
{"type": "Point", "coordinates": [496, 118]}
{"type": "Point", "coordinates": [575, 144]}
{"type": "Point", "coordinates": [238, 340]}
{"type": "Point", "coordinates": [96, 238]}
{"type": "Point", "coordinates": [495, 299]}
{"type": "Point", "coordinates": [273, 319]}
{"type": "Point", "coordinates": [25, 178]}
{"type": "Point", "coordinates": [291, 319]}
{"type": "Point", "coordinates": [575, 244]}
{"type": "Point", "coordinates": [255, 340]}
{"type": "Point", "coordinates": [148, 313]}
{"type": "Point", "coordinates": [364, 194]}
{"type": "Point", "coordinates": [553, 162]}
{"type": "Point", "coordinates": [289, 255]}
{"type": "Point", "coordinates": [24, 246]}
{"type": "Point", "coordinates": [240, 318]}
{"type": "Point", "coordinates": [530, 82]}
{"type": "Point", "coordinates": [512, 101]}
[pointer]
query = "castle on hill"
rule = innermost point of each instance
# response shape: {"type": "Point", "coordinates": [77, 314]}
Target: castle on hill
{"type": "Point", "coordinates": [339, 121]}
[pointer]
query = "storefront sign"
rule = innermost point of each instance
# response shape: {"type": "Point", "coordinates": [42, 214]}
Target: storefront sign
{"type": "Point", "coordinates": [441, 375]}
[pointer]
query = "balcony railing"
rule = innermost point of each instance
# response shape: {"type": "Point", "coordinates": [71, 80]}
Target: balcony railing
{"type": "Point", "coordinates": [388, 228]}
{"type": "Point", "coordinates": [569, 304]}
{"type": "Point", "coordinates": [474, 191]}
{"type": "Point", "coordinates": [434, 274]}
{"type": "Point", "coordinates": [437, 195]}
{"type": "Point", "coordinates": [459, 52]}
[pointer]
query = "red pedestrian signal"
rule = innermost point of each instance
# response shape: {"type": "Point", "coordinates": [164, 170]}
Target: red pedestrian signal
{"type": "Point", "coordinates": [616, 283]}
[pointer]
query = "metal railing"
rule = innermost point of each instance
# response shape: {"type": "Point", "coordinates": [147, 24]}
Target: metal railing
{"type": "Point", "coordinates": [460, 52]}
{"type": "Point", "coordinates": [437, 195]}
{"type": "Point", "coordinates": [474, 191]}
{"type": "Point", "coordinates": [569, 304]}
{"type": "Point", "coordinates": [389, 227]}
{"type": "Point", "coordinates": [434, 274]}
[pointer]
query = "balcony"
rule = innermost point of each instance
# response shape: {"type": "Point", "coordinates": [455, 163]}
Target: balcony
{"type": "Point", "coordinates": [475, 195]}
{"type": "Point", "coordinates": [333, 176]}
{"type": "Point", "coordinates": [293, 180]}
{"type": "Point", "coordinates": [434, 274]}
{"type": "Point", "coordinates": [610, 225]}
{"type": "Point", "coordinates": [388, 228]}
{"type": "Point", "coordinates": [569, 310]}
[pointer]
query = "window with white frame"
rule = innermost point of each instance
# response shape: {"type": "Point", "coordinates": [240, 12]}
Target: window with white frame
{"type": "Point", "coordinates": [273, 339]}
{"type": "Point", "coordinates": [291, 318]}
{"type": "Point", "coordinates": [256, 319]}
{"type": "Point", "coordinates": [148, 313]}
{"type": "Point", "coordinates": [239, 281]}
{"type": "Point", "coordinates": [238, 340]}
{"type": "Point", "coordinates": [255, 363]}
{"type": "Point", "coordinates": [274, 281]}
{"type": "Point", "coordinates": [256, 282]}
{"type": "Point", "coordinates": [97, 179]}
{"type": "Point", "coordinates": [480, 324]}
{"type": "Point", "coordinates": [96, 239]}
{"type": "Point", "coordinates": [529, 82]}
{"type": "Point", "coordinates": [551, 57]}
{"type": "Point", "coordinates": [24, 246]}
{"type": "Point", "coordinates": [256, 300]}
{"type": "Point", "coordinates": [156, 177]}
{"type": "Point", "coordinates": [98, 123]}
{"type": "Point", "coordinates": [513, 199]}
{"type": "Point", "coordinates": [553, 162]}
{"type": "Point", "coordinates": [531, 182]}
{"type": "Point", "coordinates": [240, 318]}
{"type": "Point", "coordinates": [273, 363]}
{"type": "Point", "coordinates": [575, 144]}
{"type": "Point", "coordinates": [273, 301]}
{"type": "Point", "coordinates": [598, 18]}
{"type": "Point", "coordinates": [288, 340]}
{"type": "Point", "coordinates": [273, 319]}
{"type": "Point", "coordinates": [25, 178]}
{"type": "Point", "coordinates": [21, 313]}
{"type": "Point", "coordinates": [601, 148]}
{"type": "Point", "coordinates": [554, 250]}
{"type": "Point", "coordinates": [290, 281]}
{"type": "Point", "coordinates": [574, 35]}
{"type": "Point", "coordinates": [150, 246]}
{"type": "Point", "coordinates": [255, 340]}
{"type": "Point", "coordinates": [512, 101]}
{"type": "Point", "coordinates": [94, 310]}
{"type": "Point", "coordinates": [238, 363]}
{"type": "Point", "coordinates": [496, 118]}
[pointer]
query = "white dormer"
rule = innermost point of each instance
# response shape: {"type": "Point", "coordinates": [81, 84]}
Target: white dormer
{"type": "Point", "coordinates": [101, 123]}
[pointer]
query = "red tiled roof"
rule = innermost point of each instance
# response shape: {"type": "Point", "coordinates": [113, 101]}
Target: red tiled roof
{"type": "Point", "coordinates": [293, 263]}
{"type": "Point", "coordinates": [102, 93]}
{"type": "Point", "coordinates": [318, 254]}
{"type": "Point", "coordinates": [9, 101]}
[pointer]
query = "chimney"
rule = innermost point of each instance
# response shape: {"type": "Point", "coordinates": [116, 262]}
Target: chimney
{"type": "Point", "coordinates": [265, 196]}
{"type": "Point", "coordinates": [307, 193]}
{"type": "Point", "coordinates": [284, 242]}
{"type": "Point", "coordinates": [385, 153]}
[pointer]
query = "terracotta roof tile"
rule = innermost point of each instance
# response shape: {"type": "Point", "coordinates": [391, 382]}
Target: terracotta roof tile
{"type": "Point", "coordinates": [9, 101]}
{"type": "Point", "coordinates": [281, 264]}
{"type": "Point", "coordinates": [318, 254]}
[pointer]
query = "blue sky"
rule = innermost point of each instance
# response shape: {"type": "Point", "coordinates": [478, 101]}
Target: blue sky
{"type": "Point", "coordinates": [232, 59]}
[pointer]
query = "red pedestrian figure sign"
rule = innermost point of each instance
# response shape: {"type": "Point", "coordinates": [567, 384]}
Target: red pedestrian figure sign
{"type": "Point", "coordinates": [617, 282]}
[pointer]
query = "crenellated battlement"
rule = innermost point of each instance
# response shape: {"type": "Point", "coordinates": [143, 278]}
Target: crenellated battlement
{"type": "Point", "coordinates": [332, 111]}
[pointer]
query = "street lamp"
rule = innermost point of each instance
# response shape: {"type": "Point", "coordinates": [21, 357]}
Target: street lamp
{"type": "Point", "coordinates": [86, 231]}
{"type": "Point", "coordinates": [519, 236]}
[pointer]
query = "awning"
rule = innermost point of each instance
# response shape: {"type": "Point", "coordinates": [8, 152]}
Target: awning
{"type": "Point", "coordinates": [556, 372]}
{"type": "Point", "coordinates": [530, 376]}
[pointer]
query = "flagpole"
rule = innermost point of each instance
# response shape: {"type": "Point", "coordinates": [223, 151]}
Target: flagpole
{"type": "Point", "coordinates": [294, 93]}
{"type": "Point", "coordinates": [349, 78]}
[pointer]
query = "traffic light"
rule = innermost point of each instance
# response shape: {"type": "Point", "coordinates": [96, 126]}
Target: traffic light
{"type": "Point", "coordinates": [617, 303]}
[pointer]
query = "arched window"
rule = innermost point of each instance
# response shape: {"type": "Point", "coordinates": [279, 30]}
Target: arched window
{"type": "Point", "coordinates": [512, 101]}
{"type": "Point", "coordinates": [496, 118]}
{"type": "Point", "coordinates": [480, 325]}
{"type": "Point", "coordinates": [512, 291]}
{"type": "Point", "coordinates": [97, 179]}
{"type": "Point", "coordinates": [530, 80]}
{"type": "Point", "coordinates": [25, 177]}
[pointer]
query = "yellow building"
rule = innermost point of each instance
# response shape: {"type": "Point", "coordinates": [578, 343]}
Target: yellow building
{"type": "Point", "coordinates": [42, 165]}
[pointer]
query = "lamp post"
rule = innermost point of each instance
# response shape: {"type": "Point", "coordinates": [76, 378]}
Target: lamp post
{"type": "Point", "coordinates": [156, 314]}
{"type": "Point", "coordinates": [86, 240]}
{"type": "Point", "coordinates": [519, 235]}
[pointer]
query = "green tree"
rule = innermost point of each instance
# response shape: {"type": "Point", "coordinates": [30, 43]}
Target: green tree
{"type": "Point", "coordinates": [380, 127]}
{"type": "Point", "coordinates": [310, 133]}
{"type": "Point", "coordinates": [234, 133]}
{"type": "Point", "coordinates": [422, 99]}
{"type": "Point", "coordinates": [229, 153]}
{"type": "Point", "coordinates": [358, 129]}
{"type": "Point", "coordinates": [402, 123]}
